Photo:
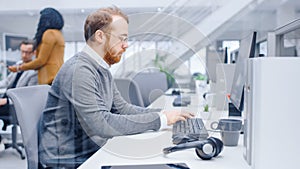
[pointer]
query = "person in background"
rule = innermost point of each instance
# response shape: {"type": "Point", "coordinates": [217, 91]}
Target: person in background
{"type": "Point", "coordinates": [2, 146]}
{"type": "Point", "coordinates": [49, 45]}
{"type": "Point", "coordinates": [84, 107]}
{"type": "Point", "coordinates": [18, 79]}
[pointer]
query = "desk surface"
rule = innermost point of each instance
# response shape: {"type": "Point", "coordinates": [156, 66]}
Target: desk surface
{"type": "Point", "coordinates": [146, 148]}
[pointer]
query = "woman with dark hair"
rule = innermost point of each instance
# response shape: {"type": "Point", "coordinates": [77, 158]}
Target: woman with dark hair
{"type": "Point", "coordinates": [49, 45]}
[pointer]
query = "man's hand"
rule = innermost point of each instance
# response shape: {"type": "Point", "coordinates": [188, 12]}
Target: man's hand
{"type": "Point", "coordinates": [13, 68]}
{"type": "Point", "coordinates": [177, 115]}
{"type": "Point", "coordinates": [3, 101]}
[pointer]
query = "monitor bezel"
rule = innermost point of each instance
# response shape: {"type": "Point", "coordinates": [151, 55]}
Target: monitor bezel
{"type": "Point", "coordinates": [240, 74]}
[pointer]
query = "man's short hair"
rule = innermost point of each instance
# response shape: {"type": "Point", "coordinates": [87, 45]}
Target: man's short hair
{"type": "Point", "coordinates": [101, 20]}
{"type": "Point", "coordinates": [27, 42]}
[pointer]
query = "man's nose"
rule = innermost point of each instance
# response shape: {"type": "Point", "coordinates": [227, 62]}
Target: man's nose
{"type": "Point", "coordinates": [125, 45]}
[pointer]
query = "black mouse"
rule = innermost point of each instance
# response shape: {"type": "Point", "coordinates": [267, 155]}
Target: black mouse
{"type": "Point", "coordinates": [175, 92]}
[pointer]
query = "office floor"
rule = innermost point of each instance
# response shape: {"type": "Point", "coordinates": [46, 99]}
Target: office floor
{"type": "Point", "coordinates": [10, 158]}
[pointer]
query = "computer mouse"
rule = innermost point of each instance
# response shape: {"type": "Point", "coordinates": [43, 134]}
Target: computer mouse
{"type": "Point", "coordinates": [177, 102]}
{"type": "Point", "coordinates": [204, 95]}
{"type": "Point", "coordinates": [175, 92]}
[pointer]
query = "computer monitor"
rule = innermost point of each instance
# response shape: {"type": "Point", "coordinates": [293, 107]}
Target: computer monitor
{"type": "Point", "coordinates": [11, 46]}
{"type": "Point", "coordinates": [288, 51]}
{"type": "Point", "coordinates": [246, 50]}
{"type": "Point", "coordinates": [12, 41]}
{"type": "Point", "coordinates": [225, 56]}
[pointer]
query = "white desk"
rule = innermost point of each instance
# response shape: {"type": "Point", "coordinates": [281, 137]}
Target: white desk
{"type": "Point", "coordinates": [147, 148]}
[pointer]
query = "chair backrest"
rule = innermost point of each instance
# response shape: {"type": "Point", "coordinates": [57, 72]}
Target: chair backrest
{"type": "Point", "coordinates": [152, 85]}
{"type": "Point", "coordinates": [129, 91]}
{"type": "Point", "coordinates": [29, 104]}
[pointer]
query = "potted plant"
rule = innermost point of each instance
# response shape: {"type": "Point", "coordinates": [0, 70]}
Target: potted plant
{"type": "Point", "coordinates": [206, 108]}
{"type": "Point", "coordinates": [159, 62]}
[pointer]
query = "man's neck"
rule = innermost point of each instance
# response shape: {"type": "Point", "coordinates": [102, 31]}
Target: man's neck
{"type": "Point", "coordinates": [97, 48]}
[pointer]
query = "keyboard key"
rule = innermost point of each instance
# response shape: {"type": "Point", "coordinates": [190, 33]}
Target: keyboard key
{"type": "Point", "coordinates": [190, 130]}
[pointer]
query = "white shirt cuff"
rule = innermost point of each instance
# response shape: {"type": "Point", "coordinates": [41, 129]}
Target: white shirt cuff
{"type": "Point", "coordinates": [163, 121]}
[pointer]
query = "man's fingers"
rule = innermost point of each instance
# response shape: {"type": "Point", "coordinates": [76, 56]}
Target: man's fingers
{"type": "Point", "coordinates": [187, 115]}
{"type": "Point", "coordinates": [181, 118]}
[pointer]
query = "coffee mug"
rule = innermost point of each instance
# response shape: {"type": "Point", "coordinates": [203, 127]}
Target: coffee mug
{"type": "Point", "coordinates": [230, 130]}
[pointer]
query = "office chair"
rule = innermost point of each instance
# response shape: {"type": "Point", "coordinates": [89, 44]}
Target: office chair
{"type": "Point", "coordinates": [12, 119]}
{"type": "Point", "coordinates": [130, 91]}
{"type": "Point", "coordinates": [152, 85]}
{"type": "Point", "coordinates": [29, 103]}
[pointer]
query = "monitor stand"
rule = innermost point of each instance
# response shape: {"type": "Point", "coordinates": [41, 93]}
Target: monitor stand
{"type": "Point", "coordinates": [233, 111]}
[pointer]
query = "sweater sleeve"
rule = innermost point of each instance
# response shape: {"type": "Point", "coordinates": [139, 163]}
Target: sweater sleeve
{"type": "Point", "coordinates": [45, 48]}
{"type": "Point", "coordinates": [6, 83]}
{"type": "Point", "coordinates": [91, 104]}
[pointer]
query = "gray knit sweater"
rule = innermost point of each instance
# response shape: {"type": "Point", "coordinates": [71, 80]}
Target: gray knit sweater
{"type": "Point", "coordinates": [84, 109]}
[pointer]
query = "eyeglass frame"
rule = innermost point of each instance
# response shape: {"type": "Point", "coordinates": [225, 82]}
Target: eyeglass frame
{"type": "Point", "coordinates": [27, 52]}
{"type": "Point", "coordinates": [122, 38]}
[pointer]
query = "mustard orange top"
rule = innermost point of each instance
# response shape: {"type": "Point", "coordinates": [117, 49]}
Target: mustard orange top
{"type": "Point", "coordinates": [49, 56]}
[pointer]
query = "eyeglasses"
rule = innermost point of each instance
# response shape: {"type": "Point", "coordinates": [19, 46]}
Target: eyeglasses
{"type": "Point", "coordinates": [26, 52]}
{"type": "Point", "coordinates": [122, 38]}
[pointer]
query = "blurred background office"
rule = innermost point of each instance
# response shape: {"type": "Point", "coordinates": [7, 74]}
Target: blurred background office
{"type": "Point", "coordinates": [182, 38]}
{"type": "Point", "coordinates": [178, 37]}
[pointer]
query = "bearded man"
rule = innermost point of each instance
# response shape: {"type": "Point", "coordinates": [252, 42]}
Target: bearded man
{"type": "Point", "coordinates": [84, 107]}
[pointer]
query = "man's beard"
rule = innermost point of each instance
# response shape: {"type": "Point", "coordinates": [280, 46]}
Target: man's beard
{"type": "Point", "coordinates": [112, 57]}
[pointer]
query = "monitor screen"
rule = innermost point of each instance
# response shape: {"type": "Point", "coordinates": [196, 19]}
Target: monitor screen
{"type": "Point", "coordinates": [246, 50]}
{"type": "Point", "coordinates": [225, 56]}
{"type": "Point", "coordinates": [12, 41]}
{"type": "Point", "coordinates": [11, 45]}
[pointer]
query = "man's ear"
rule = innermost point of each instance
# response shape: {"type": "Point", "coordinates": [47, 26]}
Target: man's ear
{"type": "Point", "coordinates": [99, 36]}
